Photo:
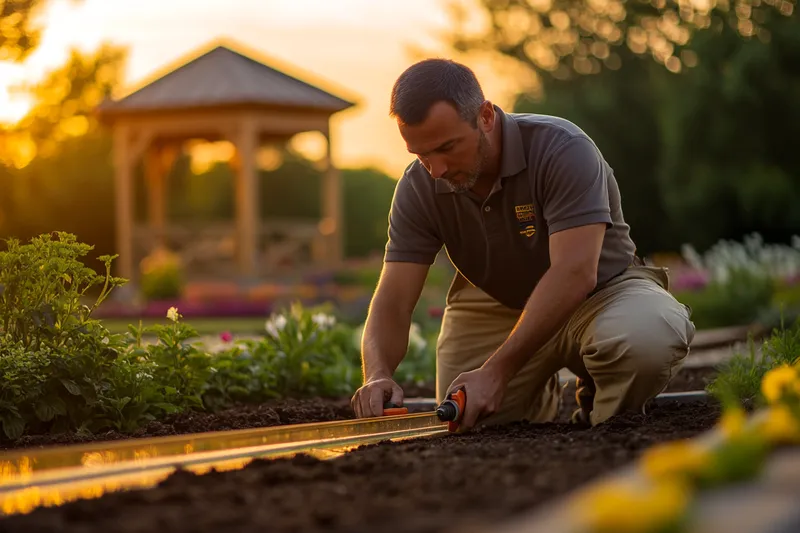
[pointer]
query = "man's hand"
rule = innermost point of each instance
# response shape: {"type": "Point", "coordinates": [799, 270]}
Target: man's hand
{"type": "Point", "coordinates": [369, 399]}
{"type": "Point", "coordinates": [484, 389]}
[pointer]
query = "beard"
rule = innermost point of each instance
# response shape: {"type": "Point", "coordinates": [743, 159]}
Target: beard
{"type": "Point", "coordinates": [477, 169]}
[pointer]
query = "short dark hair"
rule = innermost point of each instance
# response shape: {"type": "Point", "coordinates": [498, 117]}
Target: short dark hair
{"type": "Point", "coordinates": [434, 80]}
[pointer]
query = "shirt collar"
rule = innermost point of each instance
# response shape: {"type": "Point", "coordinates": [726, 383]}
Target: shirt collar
{"type": "Point", "coordinates": [512, 157]}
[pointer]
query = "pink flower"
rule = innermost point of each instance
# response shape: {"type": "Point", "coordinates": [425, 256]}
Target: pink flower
{"type": "Point", "coordinates": [435, 312]}
{"type": "Point", "coordinates": [226, 336]}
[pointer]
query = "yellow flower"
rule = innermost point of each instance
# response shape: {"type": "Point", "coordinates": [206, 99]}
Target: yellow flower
{"type": "Point", "coordinates": [776, 381]}
{"type": "Point", "coordinates": [678, 458]}
{"type": "Point", "coordinates": [732, 422]}
{"type": "Point", "coordinates": [172, 314]}
{"type": "Point", "coordinates": [781, 426]}
{"type": "Point", "coordinates": [626, 509]}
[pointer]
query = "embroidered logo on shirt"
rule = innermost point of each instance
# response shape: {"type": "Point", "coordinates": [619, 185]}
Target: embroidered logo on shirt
{"type": "Point", "coordinates": [525, 218]}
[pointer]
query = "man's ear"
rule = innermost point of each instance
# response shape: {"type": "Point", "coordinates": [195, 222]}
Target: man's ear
{"type": "Point", "coordinates": [486, 116]}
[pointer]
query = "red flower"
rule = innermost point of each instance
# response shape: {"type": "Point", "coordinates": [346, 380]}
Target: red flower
{"type": "Point", "coordinates": [226, 336]}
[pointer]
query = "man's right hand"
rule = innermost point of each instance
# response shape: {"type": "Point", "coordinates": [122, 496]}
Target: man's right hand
{"type": "Point", "coordinates": [369, 399]}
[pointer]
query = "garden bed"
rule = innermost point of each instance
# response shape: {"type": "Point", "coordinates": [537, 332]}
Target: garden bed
{"type": "Point", "coordinates": [440, 484]}
{"type": "Point", "coordinates": [291, 411]}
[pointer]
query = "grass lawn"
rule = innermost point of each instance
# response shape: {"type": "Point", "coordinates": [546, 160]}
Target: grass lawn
{"type": "Point", "coordinates": [204, 326]}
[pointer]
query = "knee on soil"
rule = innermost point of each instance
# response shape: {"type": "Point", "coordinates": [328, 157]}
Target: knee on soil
{"type": "Point", "coordinates": [637, 366]}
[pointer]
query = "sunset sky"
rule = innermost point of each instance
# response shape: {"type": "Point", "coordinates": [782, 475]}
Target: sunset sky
{"type": "Point", "coordinates": [355, 48]}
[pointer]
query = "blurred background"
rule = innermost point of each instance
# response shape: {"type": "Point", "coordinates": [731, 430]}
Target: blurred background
{"type": "Point", "coordinates": [693, 103]}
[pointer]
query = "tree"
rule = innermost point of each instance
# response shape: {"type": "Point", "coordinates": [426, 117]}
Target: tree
{"type": "Point", "coordinates": [19, 35]}
{"type": "Point", "coordinates": [701, 148]}
{"type": "Point", "coordinates": [63, 104]}
{"type": "Point", "coordinates": [64, 178]}
{"type": "Point", "coordinates": [563, 39]}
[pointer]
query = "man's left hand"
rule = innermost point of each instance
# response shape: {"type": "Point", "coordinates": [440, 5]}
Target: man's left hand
{"type": "Point", "coordinates": [484, 389]}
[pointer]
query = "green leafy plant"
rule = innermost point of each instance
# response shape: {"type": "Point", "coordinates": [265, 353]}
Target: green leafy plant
{"type": "Point", "coordinates": [419, 364]}
{"type": "Point", "coordinates": [306, 352]}
{"type": "Point", "coordinates": [62, 370]}
{"type": "Point", "coordinates": [739, 299]}
{"type": "Point", "coordinates": [161, 275]}
{"type": "Point", "coordinates": [179, 366]}
{"type": "Point", "coordinates": [739, 379]}
{"type": "Point", "coordinates": [44, 284]}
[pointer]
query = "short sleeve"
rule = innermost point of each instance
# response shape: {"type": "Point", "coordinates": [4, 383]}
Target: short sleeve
{"type": "Point", "coordinates": [576, 187]}
{"type": "Point", "coordinates": [412, 236]}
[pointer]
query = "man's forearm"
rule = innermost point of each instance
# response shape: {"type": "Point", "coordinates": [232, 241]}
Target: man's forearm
{"type": "Point", "coordinates": [385, 341]}
{"type": "Point", "coordinates": [556, 297]}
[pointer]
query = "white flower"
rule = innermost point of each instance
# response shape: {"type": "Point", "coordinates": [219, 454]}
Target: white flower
{"type": "Point", "coordinates": [323, 321]}
{"type": "Point", "coordinates": [172, 314]}
{"type": "Point", "coordinates": [275, 325]}
{"type": "Point", "coordinates": [415, 338]}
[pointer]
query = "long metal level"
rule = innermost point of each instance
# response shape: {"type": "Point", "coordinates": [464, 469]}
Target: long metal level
{"type": "Point", "coordinates": [32, 478]}
{"type": "Point", "coordinates": [52, 476]}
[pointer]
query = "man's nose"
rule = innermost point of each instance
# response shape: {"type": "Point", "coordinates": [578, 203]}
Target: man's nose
{"type": "Point", "coordinates": [438, 168]}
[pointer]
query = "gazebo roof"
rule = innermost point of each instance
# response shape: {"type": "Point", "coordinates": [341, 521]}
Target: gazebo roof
{"type": "Point", "coordinates": [225, 78]}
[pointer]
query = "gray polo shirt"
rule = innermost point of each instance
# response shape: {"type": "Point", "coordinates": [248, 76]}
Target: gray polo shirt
{"type": "Point", "coordinates": [552, 177]}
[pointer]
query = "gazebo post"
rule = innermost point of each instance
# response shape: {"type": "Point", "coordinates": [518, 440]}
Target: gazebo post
{"type": "Point", "coordinates": [154, 178]}
{"type": "Point", "coordinates": [331, 225]}
{"type": "Point", "coordinates": [248, 219]}
{"type": "Point", "coordinates": [123, 198]}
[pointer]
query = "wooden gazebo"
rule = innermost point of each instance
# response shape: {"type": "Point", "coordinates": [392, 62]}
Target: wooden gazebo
{"type": "Point", "coordinates": [221, 94]}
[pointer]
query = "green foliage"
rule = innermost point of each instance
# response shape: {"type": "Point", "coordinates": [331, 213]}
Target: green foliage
{"type": "Point", "coordinates": [61, 368]}
{"type": "Point", "coordinates": [739, 300]}
{"type": "Point", "coordinates": [161, 276]}
{"type": "Point", "coordinates": [543, 36]}
{"type": "Point", "coordinates": [367, 197]}
{"type": "Point", "coordinates": [704, 146]}
{"type": "Point", "coordinates": [305, 352]}
{"type": "Point", "coordinates": [739, 379]}
{"type": "Point", "coordinates": [181, 367]}
{"type": "Point", "coordinates": [418, 367]}
{"type": "Point", "coordinates": [19, 36]}
{"type": "Point", "coordinates": [44, 283]}
{"type": "Point", "coordinates": [63, 371]}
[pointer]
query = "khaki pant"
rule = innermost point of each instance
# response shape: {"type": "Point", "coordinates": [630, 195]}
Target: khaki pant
{"type": "Point", "coordinates": [629, 339]}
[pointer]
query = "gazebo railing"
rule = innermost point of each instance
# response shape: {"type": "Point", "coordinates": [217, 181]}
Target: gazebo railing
{"type": "Point", "coordinates": [210, 248]}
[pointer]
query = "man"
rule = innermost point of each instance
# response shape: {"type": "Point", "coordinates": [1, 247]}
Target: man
{"type": "Point", "coordinates": [547, 276]}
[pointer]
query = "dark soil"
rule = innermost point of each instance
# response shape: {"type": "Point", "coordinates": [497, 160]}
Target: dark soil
{"type": "Point", "coordinates": [292, 411]}
{"type": "Point", "coordinates": [692, 379]}
{"type": "Point", "coordinates": [688, 379]}
{"type": "Point", "coordinates": [448, 483]}
{"type": "Point", "coordinates": [289, 411]}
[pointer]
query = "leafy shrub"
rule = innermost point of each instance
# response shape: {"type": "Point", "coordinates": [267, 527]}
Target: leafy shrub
{"type": "Point", "coordinates": [738, 300]}
{"type": "Point", "coordinates": [305, 352]}
{"type": "Point", "coordinates": [739, 379]}
{"type": "Point", "coordinates": [179, 368]}
{"type": "Point", "coordinates": [62, 370]}
{"type": "Point", "coordinates": [161, 275]}
{"type": "Point", "coordinates": [753, 255]}
{"type": "Point", "coordinates": [418, 366]}
{"type": "Point", "coordinates": [43, 285]}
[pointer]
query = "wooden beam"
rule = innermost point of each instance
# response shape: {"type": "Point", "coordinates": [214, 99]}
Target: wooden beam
{"type": "Point", "coordinates": [156, 197]}
{"type": "Point", "coordinates": [208, 124]}
{"type": "Point", "coordinates": [332, 225]}
{"type": "Point", "coordinates": [123, 199]}
{"type": "Point", "coordinates": [247, 197]}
